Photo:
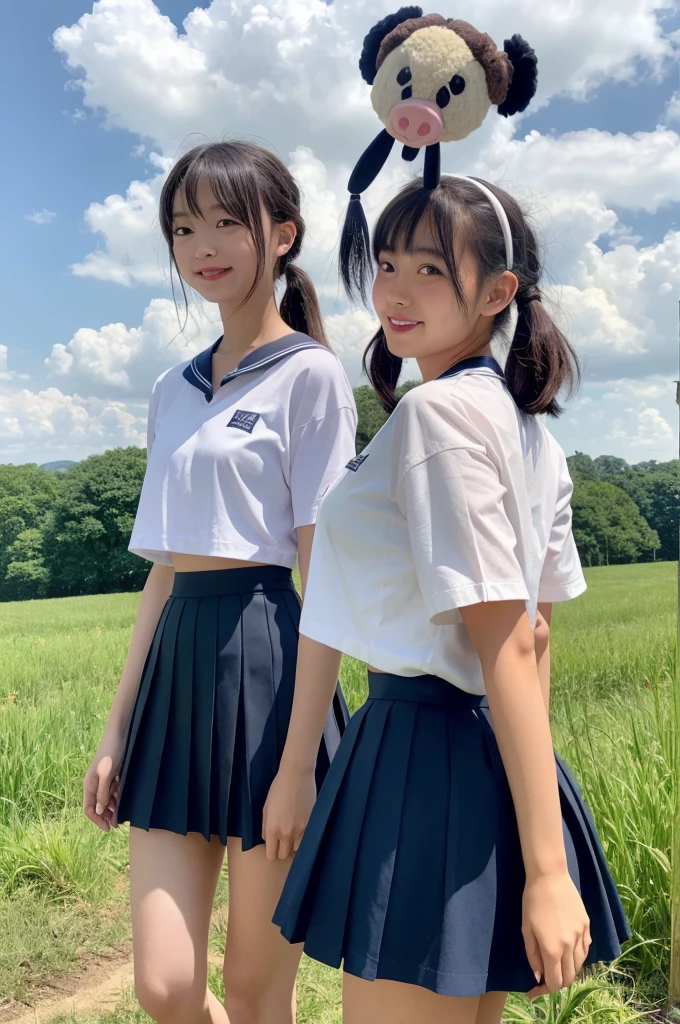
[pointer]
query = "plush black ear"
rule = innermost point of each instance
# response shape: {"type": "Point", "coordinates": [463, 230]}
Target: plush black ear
{"type": "Point", "coordinates": [373, 40]}
{"type": "Point", "coordinates": [525, 76]}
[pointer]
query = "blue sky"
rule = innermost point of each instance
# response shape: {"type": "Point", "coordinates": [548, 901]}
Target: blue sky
{"type": "Point", "coordinates": [62, 158]}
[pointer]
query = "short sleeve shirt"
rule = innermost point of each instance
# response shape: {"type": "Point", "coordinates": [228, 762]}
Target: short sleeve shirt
{"type": "Point", "coordinates": [460, 498]}
{"type": "Point", "coordinates": [234, 473]}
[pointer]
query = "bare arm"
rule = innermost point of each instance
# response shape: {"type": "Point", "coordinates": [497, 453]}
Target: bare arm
{"type": "Point", "coordinates": [542, 649]}
{"type": "Point", "coordinates": [155, 594]}
{"type": "Point", "coordinates": [100, 788]}
{"type": "Point", "coordinates": [555, 924]}
{"type": "Point", "coordinates": [293, 791]}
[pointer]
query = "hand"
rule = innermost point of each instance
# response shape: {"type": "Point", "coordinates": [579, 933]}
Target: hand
{"type": "Point", "coordinates": [101, 784]}
{"type": "Point", "coordinates": [556, 932]}
{"type": "Point", "coordinates": [286, 812]}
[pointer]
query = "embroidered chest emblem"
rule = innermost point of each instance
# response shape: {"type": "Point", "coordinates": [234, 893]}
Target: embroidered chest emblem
{"type": "Point", "coordinates": [356, 462]}
{"type": "Point", "coordinates": [243, 420]}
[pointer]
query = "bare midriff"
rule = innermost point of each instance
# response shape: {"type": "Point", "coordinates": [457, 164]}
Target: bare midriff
{"type": "Point", "coordinates": [204, 563]}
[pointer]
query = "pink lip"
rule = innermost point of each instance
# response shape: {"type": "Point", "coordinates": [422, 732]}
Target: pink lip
{"type": "Point", "coordinates": [402, 328]}
{"type": "Point", "coordinates": [212, 273]}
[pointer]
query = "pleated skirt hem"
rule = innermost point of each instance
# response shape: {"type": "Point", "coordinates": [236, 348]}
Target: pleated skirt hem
{"type": "Point", "coordinates": [213, 706]}
{"type": "Point", "coordinates": [410, 868]}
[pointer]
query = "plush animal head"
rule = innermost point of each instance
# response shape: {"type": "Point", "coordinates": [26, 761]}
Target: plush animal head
{"type": "Point", "coordinates": [433, 80]}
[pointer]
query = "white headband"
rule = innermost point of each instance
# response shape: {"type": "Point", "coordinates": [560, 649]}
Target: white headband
{"type": "Point", "coordinates": [500, 213]}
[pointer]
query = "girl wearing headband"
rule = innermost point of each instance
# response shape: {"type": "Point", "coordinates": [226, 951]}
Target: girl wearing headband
{"type": "Point", "coordinates": [449, 858]}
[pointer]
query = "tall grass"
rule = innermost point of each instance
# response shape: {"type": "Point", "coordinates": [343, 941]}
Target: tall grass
{"type": "Point", "coordinates": [613, 666]}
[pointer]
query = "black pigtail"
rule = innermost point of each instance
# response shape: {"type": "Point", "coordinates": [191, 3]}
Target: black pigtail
{"type": "Point", "coordinates": [355, 251]}
{"type": "Point", "coordinates": [300, 305]}
{"type": "Point", "coordinates": [355, 241]}
{"type": "Point", "coordinates": [541, 363]}
{"type": "Point", "coordinates": [383, 370]}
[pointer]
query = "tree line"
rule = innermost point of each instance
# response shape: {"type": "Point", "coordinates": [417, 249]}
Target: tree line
{"type": "Point", "coordinates": [65, 534]}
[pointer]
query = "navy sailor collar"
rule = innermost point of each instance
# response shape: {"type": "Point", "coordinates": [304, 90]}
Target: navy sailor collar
{"type": "Point", "coordinates": [473, 363]}
{"type": "Point", "coordinates": [199, 371]}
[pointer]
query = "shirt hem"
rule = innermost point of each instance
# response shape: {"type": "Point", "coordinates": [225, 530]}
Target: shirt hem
{"type": "Point", "coordinates": [563, 591]}
{"type": "Point", "coordinates": [363, 652]}
{"type": "Point", "coordinates": [184, 546]}
{"type": "Point", "coordinates": [475, 593]}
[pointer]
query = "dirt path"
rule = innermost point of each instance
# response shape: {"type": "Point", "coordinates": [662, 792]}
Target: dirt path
{"type": "Point", "coordinates": [94, 989]}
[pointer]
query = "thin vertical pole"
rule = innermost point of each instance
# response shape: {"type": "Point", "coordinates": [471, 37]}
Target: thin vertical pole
{"type": "Point", "coordinates": [674, 981]}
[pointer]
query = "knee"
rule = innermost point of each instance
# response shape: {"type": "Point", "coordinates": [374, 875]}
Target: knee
{"type": "Point", "coordinates": [170, 1000]}
{"type": "Point", "coordinates": [247, 995]}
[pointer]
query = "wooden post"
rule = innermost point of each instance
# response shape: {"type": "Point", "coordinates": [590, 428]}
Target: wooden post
{"type": "Point", "coordinates": [674, 981]}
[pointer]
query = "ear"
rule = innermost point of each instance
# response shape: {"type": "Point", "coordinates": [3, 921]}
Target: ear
{"type": "Point", "coordinates": [286, 234]}
{"type": "Point", "coordinates": [524, 76]}
{"type": "Point", "coordinates": [500, 294]}
{"type": "Point", "coordinates": [369, 54]}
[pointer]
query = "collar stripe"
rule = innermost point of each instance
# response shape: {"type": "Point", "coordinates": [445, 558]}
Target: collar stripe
{"type": "Point", "coordinates": [239, 371]}
{"type": "Point", "coordinates": [196, 372]}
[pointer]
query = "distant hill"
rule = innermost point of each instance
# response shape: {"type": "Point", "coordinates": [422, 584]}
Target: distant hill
{"type": "Point", "coordinates": [58, 467]}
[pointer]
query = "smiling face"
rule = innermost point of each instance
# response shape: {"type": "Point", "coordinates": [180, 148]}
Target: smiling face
{"type": "Point", "coordinates": [415, 300]}
{"type": "Point", "coordinates": [216, 254]}
{"type": "Point", "coordinates": [436, 66]}
{"type": "Point", "coordinates": [419, 309]}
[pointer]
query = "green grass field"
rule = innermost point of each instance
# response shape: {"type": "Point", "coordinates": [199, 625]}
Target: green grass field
{"type": "Point", "coordinates": [63, 885]}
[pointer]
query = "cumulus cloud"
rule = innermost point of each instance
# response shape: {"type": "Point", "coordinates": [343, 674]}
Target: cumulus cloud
{"type": "Point", "coordinates": [37, 425]}
{"type": "Point", "coordinates": [284, 72]}
{"type": "Point", "coordinates": [134, 251]}
{"type": "Point", "coordinates": [258, 68]}
{"type": "Point", "coordinates": [41, 217]}
{"type": "Point", "coordinates": [636, 420]}
{"type": "Point", "coordinates": [634, 172]}
{"type": "Point", "coordinates": [117, 360]}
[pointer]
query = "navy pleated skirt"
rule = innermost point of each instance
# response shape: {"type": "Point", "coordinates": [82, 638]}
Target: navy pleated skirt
{"type": "Point", "coordinates": [213, 706]}
{"type": "Point", "coordinates": [410, 868]}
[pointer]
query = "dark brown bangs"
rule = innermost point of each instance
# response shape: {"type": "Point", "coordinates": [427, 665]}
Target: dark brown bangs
{"type": "Point", "coordinates": [439, 210]}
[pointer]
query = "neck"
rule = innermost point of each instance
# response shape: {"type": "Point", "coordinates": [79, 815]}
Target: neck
{"type": "Point", "coordinates": [257, 323]}
{"type": "Point", "coordinates": [477, 344]}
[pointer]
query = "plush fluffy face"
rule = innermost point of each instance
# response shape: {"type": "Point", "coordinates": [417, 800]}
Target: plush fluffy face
{"type": "Point", "coordinates": [444, 72]}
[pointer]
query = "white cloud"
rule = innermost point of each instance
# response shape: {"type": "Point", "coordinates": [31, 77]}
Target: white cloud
{"type": "Point", "coordinates": [5, 373]}
{"type": "Point", "coordinates": [124, 361]}
{"type": "Point", "coordinates": [634, 172]}
{"type": "Point", "coordinates": [239, 66]}
{"type": "Point", "coordinates": [673, 107]}
{"type": "Point", "coordinates": [643, 430]}
{"type": "Point", "coordinates": [285, 72]}
{"type": "Point", "coordinates": [37, 426]}
{"type": "Point", "coordinates": [41, 217]}
{"type": "Point", "coordinates": [134, 250]}
{"type": "Point", "coordinates": [634, 419]}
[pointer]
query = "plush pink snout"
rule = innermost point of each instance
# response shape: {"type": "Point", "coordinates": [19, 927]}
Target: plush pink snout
{"type": "Point", "coordinates": [416, 123]}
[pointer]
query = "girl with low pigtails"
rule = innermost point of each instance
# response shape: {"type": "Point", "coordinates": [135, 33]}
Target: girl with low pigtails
{"type": "Point", "coordinates": [243, 440]}
{"type": "Point", "coordinates": [449, 858]}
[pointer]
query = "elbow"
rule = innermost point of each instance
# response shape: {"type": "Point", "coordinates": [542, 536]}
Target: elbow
{"type": "Point", "coordinates": [541, 636]}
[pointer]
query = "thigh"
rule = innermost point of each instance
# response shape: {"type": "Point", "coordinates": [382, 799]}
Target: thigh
{"type": "Point", "coordinates": [256, 953]}
{"type": "Point", "coordinates": [491, 1006]}
{"type": "Point", "coordinates": [391, 1002]}
{"type": "Point", "coordinates": [172, 887]}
